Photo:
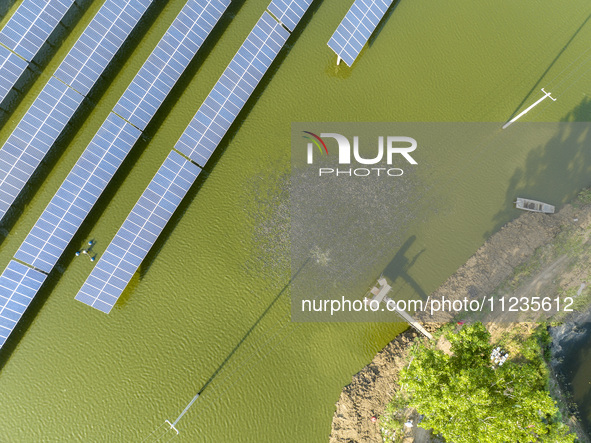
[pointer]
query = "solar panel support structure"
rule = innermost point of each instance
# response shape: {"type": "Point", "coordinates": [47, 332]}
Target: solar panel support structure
{"type": "Point", "coordinates": [356, 28]}
{"type": "Point", "coordinates": [140, 230]}
{"type": "Point", "coordinates": [93, 171]}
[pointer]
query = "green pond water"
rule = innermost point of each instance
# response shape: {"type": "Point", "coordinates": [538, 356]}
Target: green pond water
{"type": "Point", "coordinates": [576, 368]}
{"type": "Point", "coordinates": [71, 373]}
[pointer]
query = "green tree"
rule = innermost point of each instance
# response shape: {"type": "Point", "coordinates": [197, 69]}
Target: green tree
{"type": "Point", "coordinates": [465, 399]}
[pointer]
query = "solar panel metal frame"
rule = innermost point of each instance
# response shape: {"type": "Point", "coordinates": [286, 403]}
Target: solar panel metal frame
{"type": "Point", "coordinates": [232, 90]}
{"type": "Point", "coordinates": [139, 231]}
{"type": "Point", "coordinates": [11, 68]}
{"type": "Point", "coordinates": [77, 195]}
{"type": "Point", "coordinates": [33, 138]}
{"type": "Point", "coordinates": [100, 41]}
{"type": "Point", "coordinates": [289, 12]}
{"type": "Point", "coordinates": [356, 27]}
{"type": "Point", "coordinates": [166, 63]}
{"type": "Point", "coordinates": [32, 24]}
{"type": "Point", "coordinates": [18, 286]}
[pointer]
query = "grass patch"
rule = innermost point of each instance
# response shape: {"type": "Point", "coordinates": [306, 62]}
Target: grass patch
{"type": "Point", "coordinates": [583, 198]}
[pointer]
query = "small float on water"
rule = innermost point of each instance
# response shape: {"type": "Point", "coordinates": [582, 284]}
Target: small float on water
{"type": "Point", "coordinates": [533, 206]}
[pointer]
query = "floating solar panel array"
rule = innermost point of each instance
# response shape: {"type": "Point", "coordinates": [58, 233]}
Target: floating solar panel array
{"type": "Point", "coordinates": [167, 62]}
{"type": "Point", "coordinates": [289, 12]}
{"type": "Point", "coordinates": [356, 28]}
{"type": "Point", "coordinates": [89, 177]}
{"type": "Point", "coordinates": [138, 233]}
{"type": "Point", "coordinates": [225, 101]}
{"type": "Point", "coordinates": [32, 24]}
{"type": "Point", "coordinates": [61, 96]}
{"type": "Point", "coordinates": [78, 193]}
{"type": "Point", "coordinates": [99, 42]}
{"type": "Point", "coordinates": [11, 68]}
{"type": "Point", "coordinates": [24, 34]}
{"type": "Point", "coordinates": [18, 286]}
{"type": "Point", "coordinates": [164, 193]}
{"type": "Point", "coordinates": [33, 137]}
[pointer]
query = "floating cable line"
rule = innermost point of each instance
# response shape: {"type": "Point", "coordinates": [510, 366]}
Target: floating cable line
{"type": "Point", "coordinates": [574, 72]}
{"type": "Point", "coordinates": [588, 51]}
{"type": "Point", "coordinates": [575, 82]}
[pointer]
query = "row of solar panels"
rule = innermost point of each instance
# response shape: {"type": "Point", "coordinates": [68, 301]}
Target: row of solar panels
{"type": "Point", "coordinates": [354, 31]}
{"type": "Point", "coordinates": [164, 193]}
{"type": "Point", "coordinates": [87, 60]}
{"type": "Point", "coordinates": [33, 22]}
{"type": "Point", "coordinates": [59, 99]}
{"type": "Point", "coordinates": [99, 162]}
{"type": "Point", "coordinates": [23, 36]}
{"type": "Point", "coordinates": [91, 174]}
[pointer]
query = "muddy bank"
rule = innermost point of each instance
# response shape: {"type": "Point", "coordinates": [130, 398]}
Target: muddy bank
{"type": "Point", "coordinates": [492, 264]}
{"type": "Point", "coordinates": [370, 390]}
{"type": "Point", "coordinates": [513, 245]}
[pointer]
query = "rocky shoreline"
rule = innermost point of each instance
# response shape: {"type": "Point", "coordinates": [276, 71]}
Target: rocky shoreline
{"type": "Point", "coordinates": [492, 264]}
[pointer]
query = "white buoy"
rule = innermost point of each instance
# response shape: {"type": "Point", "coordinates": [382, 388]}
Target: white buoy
{"type": "Point", "coordinates": [518, 116]}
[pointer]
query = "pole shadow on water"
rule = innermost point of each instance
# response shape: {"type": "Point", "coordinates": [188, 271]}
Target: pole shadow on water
{"type": "Point", "coordinates": [253, 327]}
{"type": "Point", "coordinates": [84, 233]}
{"type": "Point", "coordinates": [232, 131]}
{"type": "Point", "coordinates": [536, 86]}
{"type": "Point", "coordinates": [400, 265]}
{"type": "Point", "coordinates": [565, 157]}
{"type": "Point", "coordinates": [42, 59]}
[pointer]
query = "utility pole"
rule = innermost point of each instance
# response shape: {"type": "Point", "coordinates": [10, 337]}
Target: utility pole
{"type": "Point", "coordinates": [518, 116]}
{"type": "Point", "coordinates": [173, 424]}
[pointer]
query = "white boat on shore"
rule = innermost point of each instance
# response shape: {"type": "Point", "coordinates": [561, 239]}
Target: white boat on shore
{"type": "Point", "coordinates": [533, 206]}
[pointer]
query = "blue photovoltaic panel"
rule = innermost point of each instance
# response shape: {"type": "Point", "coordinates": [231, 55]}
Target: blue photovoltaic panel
{"type": "Point", "coordinates": [32, 24]}
{"type": "Point", "coordinates": [78, 193]}
{"type": "Point", "coordinates": [289, 12]}
{"type": "Point", "coordinates": [167, 62]}
{"type": "Point", "coordinates": [138, 233]}
{"type": "Point", "coordinates": [33, 137]}
{"type": "Point", "coordinates": [99, 42]}
{"type": "Point", "coordinates": [356, 28]}
{"type": "Point", "coordinates": [18, 286]}
{"type": "Point", "coordinates": [232, 90]}
{"type": "Point", "coordinates": [11, 68]}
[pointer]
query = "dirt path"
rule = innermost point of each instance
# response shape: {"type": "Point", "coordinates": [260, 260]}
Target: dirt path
{"type": "Point", "coordinates": [492, 265]}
